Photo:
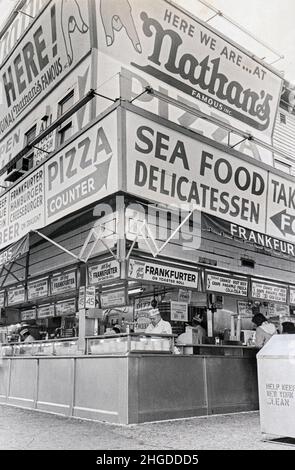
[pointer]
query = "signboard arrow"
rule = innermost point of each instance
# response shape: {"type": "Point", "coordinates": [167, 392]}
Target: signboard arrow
{"type": "Point", "coordinates": [82, 189]}
{"type": "Point", "coordinates": [284, 222]}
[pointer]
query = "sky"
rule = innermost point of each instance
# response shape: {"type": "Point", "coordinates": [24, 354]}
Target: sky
{"type": "Point", "coordinates": [270, 20]}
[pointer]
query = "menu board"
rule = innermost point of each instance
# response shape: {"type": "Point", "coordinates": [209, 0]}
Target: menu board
{"type": "Point", "coordinates": [184, 296]}
{"type": "Point", "coordinates": [63, 282]}
{"type": "Point", "coordinates": [45, 311]}
{"type": "Point", "coordinates": [28, 314]}
{"type": "Point", "coordinates": [271, 292]}
{"type": "Point", "coordinates": [113, 298]}
{"type": "Point", "coordinates": [102, 272]}
{"type": "Point", "coordinates": [226, 284]}
{"type": "Point", "coordinates": [37, 288]}
{"type": "Point", "coordinates": [179, 311]}
{"type": "Point", "coordinates": [16, 295]}
{"type": "Point", "coordinates": [244, 308]}
{"type": "Point", "coordinates": [278, 309]}
{"type": "Point", "coordinates": [65, 307]}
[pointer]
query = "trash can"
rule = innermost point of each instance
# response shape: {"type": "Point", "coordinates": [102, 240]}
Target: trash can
{"type": "Point", "coordinates": [276, 386]}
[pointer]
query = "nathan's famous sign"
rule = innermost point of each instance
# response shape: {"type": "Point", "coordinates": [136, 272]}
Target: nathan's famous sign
{"type": "Point", "coordinates": [163, 43]}
{"type": "Point", "coordinates": [55, 43]}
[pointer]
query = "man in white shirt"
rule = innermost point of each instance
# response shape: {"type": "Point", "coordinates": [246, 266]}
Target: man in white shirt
{"type": "Point", "coordinates": [158, 325]}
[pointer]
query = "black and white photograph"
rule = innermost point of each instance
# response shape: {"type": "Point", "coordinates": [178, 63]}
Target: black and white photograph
{"type": "Point", "coordinates": [147, 230]}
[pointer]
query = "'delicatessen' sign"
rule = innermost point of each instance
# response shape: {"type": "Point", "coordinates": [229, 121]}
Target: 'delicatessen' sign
{"type": "Point", "coordinates": [155, 272]}
{"type": "Point", "coordinates": [169, 167]}
{"type": "Point", "coordinates": [224, 284]}
{"type": "Point", "coordinates": [49, 50]}
{"type": "Point", "coordinates": [164, 44]}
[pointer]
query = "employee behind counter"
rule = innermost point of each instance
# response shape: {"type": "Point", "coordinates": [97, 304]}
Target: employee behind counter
{"type": "Point", "coordinates": [158, 325]}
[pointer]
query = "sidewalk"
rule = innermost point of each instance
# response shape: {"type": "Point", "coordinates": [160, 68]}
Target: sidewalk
{"type": "Point", "coordinates": [25, 429]}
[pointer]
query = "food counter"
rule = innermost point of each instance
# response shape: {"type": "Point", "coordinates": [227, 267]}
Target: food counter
{"type": "Point", "coordinates": [127, 378]}
{"type": "Point", "coordinates": [218, 350]}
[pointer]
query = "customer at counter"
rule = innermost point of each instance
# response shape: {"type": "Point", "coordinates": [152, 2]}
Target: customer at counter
{"type": "Point", "coordinates": [264, 331]}
{"type": "Point", "coordinates": [199, 327]}
{"type": "Point", "coordinates": [158, 325]}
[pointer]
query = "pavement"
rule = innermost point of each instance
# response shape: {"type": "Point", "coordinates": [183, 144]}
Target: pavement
{"type": "Point", "coordinates": [22, 429]}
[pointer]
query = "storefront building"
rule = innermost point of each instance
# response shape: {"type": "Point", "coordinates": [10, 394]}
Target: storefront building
{"type": "Point", "coordinates": [137, 194]}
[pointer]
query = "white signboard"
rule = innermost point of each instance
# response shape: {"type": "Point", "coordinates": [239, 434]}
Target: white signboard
{"type": "Point", "coordinates": [142, 304]}
{"type": "Point", "coordinates": [49, 50]}
{"type": "Point", "coordinates": [99, 273]}
{"type": "Point", "coordinates": [24, 208]}
{"type": "Point", "coordinates": [226, 284]}
{"type": "Point", "coordinates": [28, 314]}
{"type": "Point", "coordinates": [169, 167]}
{"type": "Point", "coordinates": [19, 25]}
{"type": "Point", "coordinates": [15, 295]}
{"type": "Point", "coordinates": [81, 299]}
{"type": "Point", "coordinates": [244, 308]}
{"type": "Point", "coordinates": [278, 309]}
{"type": "Point", "coordinates": [162, 44]}
{"type": "Point", "coordinates": [65, 307]}
{"type": "Point", "coordinates": [292, 296]}
{"type": "Point", "coordinates": [63, 282]}
{"type": "Point", "coordinates": [113, 298]}
{"type": "Point", "coordinates": [90, 297]}
{"type": "Point", "coordinates": [2, 298]}
{"type": "Point", "coordinates": [155, 272]}
{"type": "Point", "coordinates": [272, 292]}
{"type": "Point", "coordinates": [37, 289]}
{"type": "Point", "coordinates": [45, 311]}
{"type": "Point", "coordinates": [179, 311]}
{"type": "Point", "coordinates": [281, 208]}
{"type": "Point", "coordinates": [184, 296]}
{"type": "Point", "coordinates": [83, 172]}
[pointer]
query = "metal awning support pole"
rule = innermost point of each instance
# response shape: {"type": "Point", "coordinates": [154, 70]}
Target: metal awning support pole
{"type": "Point", "coordinates": [97, 239]}
{"type": "Point", "coordinates": [175, 231]}
{"type": "Point", "coordinates": [57, 245]}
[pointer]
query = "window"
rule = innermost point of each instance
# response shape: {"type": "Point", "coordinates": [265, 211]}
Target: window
{"type": "Point", "coordinates": [285, 167]}
{"type": "Point", "coordinates": [66, 103]}
{"type": "Point", "coordinates": [30, 135]}
{"type": "Point", "coordinates": [65, 130]}
{"type": "Point", "coordinates": [282, 118]}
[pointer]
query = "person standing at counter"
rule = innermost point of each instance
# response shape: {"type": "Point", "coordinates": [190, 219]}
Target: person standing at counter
{"type": "Point", "coordinates": [264, 331]}
{"type": "Point", "coordinates": [158, 325]}
{"type": "Point", "coordinates": [25, 336]}
{"type": "Point", "coordinates": [199, 326]}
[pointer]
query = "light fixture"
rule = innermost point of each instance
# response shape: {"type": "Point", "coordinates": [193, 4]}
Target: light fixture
{"type": "Point", "coordinates": [137, 290]}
